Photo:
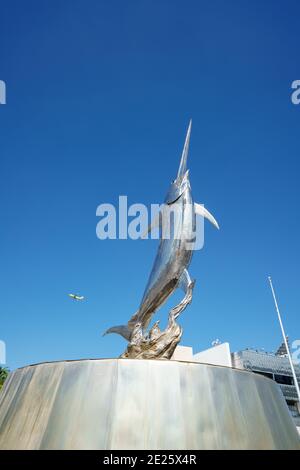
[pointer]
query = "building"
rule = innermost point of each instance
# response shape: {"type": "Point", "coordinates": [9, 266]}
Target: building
{"type": "Point", "coordinates": [275, 366]}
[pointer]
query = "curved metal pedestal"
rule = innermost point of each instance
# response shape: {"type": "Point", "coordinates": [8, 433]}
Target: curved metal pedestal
{"type": "Point", "coordinates": [142, 404]}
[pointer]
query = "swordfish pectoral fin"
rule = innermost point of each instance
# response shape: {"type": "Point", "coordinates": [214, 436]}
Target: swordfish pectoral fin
{"type": "Point", "coordinates": [200, 210]}
{"type": "Point", "coordinates": [155, 223]}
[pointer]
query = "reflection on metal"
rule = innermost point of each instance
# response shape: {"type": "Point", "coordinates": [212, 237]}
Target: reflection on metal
{"type": "Point", "coordinates": [129, 404]}
{"type": "Point", "coordinates": [177, 220]}
{"type": "Point", "coordinates": [276, 367]}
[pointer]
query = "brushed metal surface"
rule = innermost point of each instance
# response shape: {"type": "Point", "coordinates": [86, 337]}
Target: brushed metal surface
{"type": "Point", "coordinates": [142, 404]}
{"type": "Point", "coordinates": [177, 222]}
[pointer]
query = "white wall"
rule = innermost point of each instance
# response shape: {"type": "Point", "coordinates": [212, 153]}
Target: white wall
{"type": "Point", "coordinates": [183, 353]}
{"type": "Point", "coordinates": [217, 355]}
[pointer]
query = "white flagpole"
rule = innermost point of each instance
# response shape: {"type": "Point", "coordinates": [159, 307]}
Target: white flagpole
{"type": "Point", "coordinates": [285, 341]}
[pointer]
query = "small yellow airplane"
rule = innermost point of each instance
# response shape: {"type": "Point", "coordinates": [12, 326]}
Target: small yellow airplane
{"type": "Point", "coordinates": [76, 297]}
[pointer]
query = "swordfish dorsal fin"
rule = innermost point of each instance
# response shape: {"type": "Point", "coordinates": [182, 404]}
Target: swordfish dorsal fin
{"type": "Point", "coordinates": [200, 210]}
{"type": "Point", "coordinates": [182, 166]}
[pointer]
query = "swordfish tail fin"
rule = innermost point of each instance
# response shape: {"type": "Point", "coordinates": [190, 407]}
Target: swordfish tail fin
{"type": "Point", "coordinates": [122, 330]}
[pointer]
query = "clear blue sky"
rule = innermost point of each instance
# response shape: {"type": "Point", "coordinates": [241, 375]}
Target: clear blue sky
{"type": "Point", "coordinates": [99, 95]}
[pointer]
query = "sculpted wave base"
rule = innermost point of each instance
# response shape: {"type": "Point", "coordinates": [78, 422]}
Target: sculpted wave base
{"type": "Point", "coordinates": [142, 404]}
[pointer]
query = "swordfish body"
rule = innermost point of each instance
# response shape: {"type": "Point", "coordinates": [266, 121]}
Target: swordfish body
{"type": "Point", "coordinates": [177, 221]}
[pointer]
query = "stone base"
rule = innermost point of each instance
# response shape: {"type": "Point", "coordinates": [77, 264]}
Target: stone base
{"type": "Point", "coordinates": [142, 404]}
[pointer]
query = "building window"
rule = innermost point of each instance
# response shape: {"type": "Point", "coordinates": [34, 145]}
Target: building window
{"type": "Point", "coordinates": [266, 374]}
{"type": "Point", "coordinates": [293, 408]}
{"type": "Point", "coordinates": [284, 379]}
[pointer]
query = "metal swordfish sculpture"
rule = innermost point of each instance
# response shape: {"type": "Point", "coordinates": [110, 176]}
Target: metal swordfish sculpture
{"type": "Point", "coordinates": [169, 270]}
